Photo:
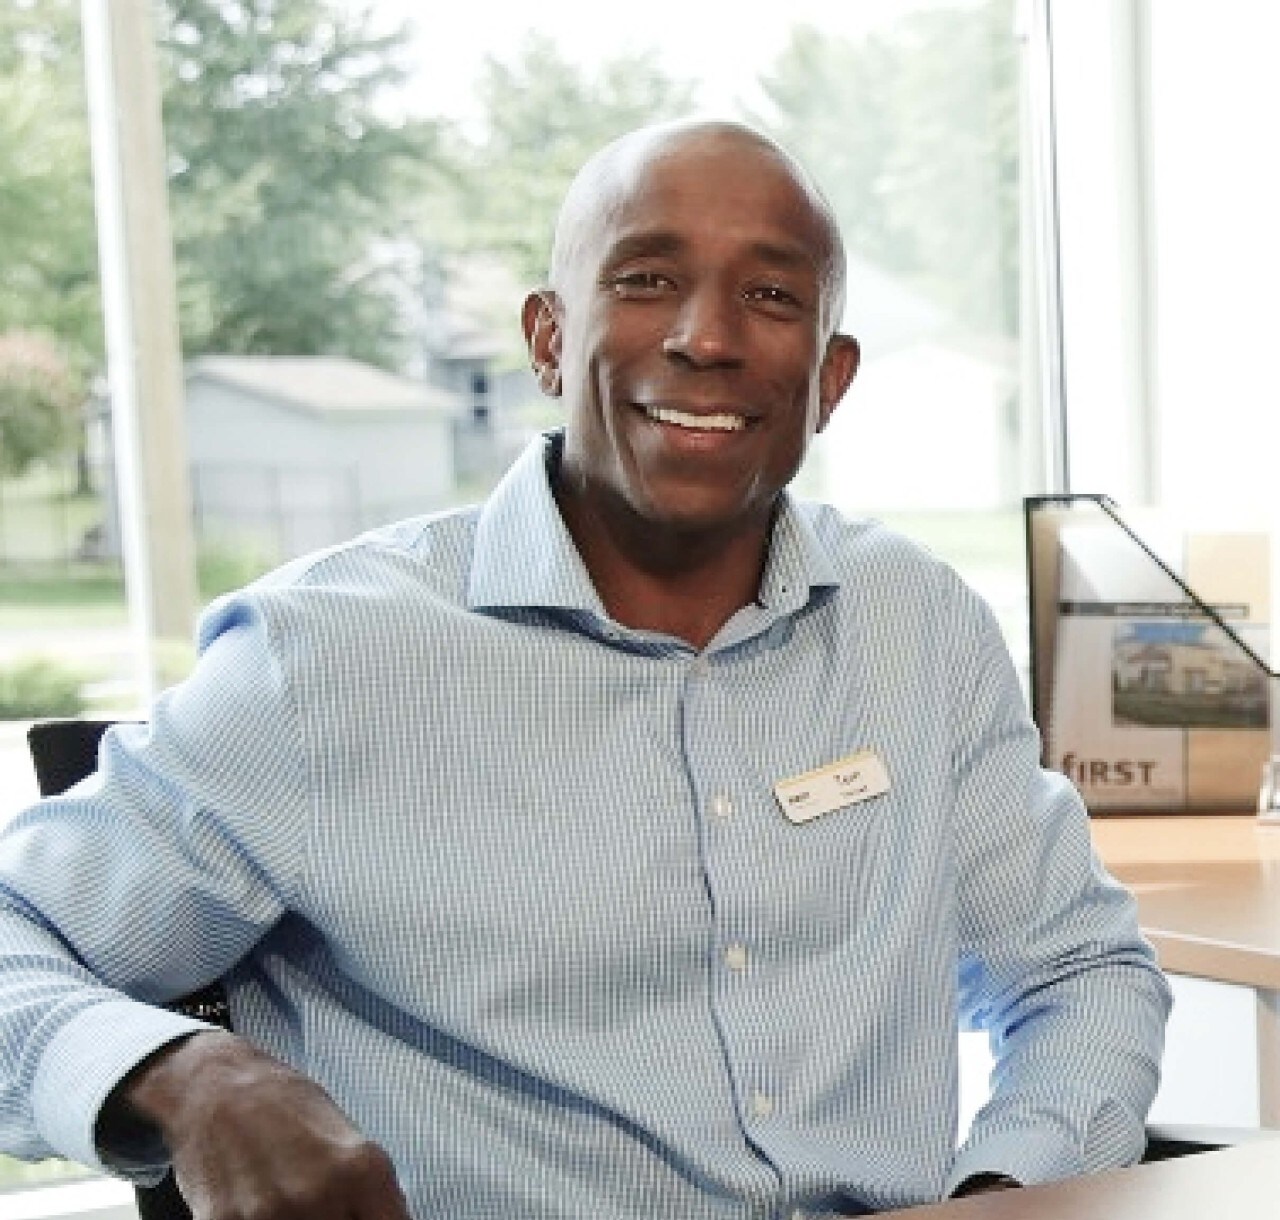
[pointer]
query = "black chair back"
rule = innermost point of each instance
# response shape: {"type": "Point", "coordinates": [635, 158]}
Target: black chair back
{"type": "Point", "coordinates": [64, 752]}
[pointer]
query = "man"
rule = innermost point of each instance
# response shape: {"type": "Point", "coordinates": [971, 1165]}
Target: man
{"type": "Point", "coordinates": [631, 846]}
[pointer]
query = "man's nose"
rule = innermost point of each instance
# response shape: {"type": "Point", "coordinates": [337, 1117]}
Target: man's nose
{"type": "Point", "coordinates": [707, 329]}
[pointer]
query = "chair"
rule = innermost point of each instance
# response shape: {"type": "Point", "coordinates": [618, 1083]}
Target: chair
{"type": "Point", "coordinates": [64, 752]}
{"type": "Point", "coordinates": [1165, 1141]}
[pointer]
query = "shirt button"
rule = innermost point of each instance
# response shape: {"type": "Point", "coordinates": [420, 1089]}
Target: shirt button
{"type": "Point", "coordinates": [761, 1105]}
{"type": "Point", "coordinates": [721, 805]}
{"type": "Point", "coordinates": [735, 957]}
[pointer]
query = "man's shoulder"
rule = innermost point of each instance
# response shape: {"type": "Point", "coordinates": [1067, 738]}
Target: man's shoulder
{"type": "Point", "coordinates": [401, 568]}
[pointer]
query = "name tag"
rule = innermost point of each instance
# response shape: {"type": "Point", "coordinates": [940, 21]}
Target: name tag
{"type": "Point", "coordinates": [835, 786]}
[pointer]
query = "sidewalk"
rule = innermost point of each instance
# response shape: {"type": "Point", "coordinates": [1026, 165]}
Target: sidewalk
{"type": "Point", "coordinates": [105, 647]}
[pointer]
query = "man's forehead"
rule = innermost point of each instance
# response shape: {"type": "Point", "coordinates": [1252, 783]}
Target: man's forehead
{"type": "Point", "coordinates": [695, 155]}
{"type": "Point", "coordinates": [619, 195]}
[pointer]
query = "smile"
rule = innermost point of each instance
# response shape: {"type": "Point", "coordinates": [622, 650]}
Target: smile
{"type": "Point", "coordinates": [719, 422]}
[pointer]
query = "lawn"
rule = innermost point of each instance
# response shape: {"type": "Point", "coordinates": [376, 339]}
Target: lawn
{"type": "Point", "coordinates": [44, 596]}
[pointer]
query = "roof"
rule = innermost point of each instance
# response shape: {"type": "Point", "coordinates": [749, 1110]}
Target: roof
{"type": "Point", "coordinates": [323, 383]}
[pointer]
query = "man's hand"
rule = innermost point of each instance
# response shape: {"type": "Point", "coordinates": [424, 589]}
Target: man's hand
{"type": "Point", "coordinates": [250, 1139]}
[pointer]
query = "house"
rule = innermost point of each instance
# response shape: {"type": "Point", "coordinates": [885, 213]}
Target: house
{"type": "Point", "coordinates": [289, 453]}
{"type": "Point", "coordinates": [469, 342]}
{"type": "Point", "coordinates": [1183, 659]}
{"type": "Point", "coordinates": [296, 452]}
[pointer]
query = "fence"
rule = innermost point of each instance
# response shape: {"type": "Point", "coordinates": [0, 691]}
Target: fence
{"type": "Point", "coordinates": [47, 518]}
{"type": "Point", "coordinates": [280, 512]}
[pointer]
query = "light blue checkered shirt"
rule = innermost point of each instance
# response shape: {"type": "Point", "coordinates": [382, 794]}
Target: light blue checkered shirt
{"type": "Point", "coordinates": [512, 882]}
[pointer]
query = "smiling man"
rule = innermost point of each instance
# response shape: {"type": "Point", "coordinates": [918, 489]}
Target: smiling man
{"type": "Point", "coordinates": [696, 283]}
{"type": "Point", "coordinates": [632, 845]}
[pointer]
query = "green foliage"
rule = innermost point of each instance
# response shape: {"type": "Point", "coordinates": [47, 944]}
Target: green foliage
{"type": "Point", "coordinates": [40, 400]}
{"type": "Point", "coordinates": [33, 688]}
{"type": "Point", "coordinates": [297, 200]}
{"type": "Point", "coordinates": [48, 260]}
{"type": "Point", "coordinates": [913, 132]}
{"type": "Point", "coordinates": [288, 184]}
{"type": "Point", "coordinates": [542, 116]}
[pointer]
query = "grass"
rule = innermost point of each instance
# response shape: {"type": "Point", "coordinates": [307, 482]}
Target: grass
{"type": "Point", "coordinates": [40, 596]}
{"type": "Point", "coordinates": [92, 595]}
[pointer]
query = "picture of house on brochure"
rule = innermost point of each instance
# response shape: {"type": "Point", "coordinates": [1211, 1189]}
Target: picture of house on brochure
{"type": "Point", "coordinates": [1154, 705]}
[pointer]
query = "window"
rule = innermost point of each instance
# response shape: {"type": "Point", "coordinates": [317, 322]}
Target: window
{"type": "Point", "coordinates": [354, 230]}
{"type": "Point", "coordinates": [358, 208]}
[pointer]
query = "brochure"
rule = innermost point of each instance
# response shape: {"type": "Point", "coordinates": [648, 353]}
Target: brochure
{"type": "Point", "coordinates": [1153, 705]}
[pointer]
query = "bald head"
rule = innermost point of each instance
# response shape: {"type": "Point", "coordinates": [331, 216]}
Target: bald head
{"type": "Point", "coordinates": [612, 175]}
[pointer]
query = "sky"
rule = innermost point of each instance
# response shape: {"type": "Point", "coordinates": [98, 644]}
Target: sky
{"type": "Point", "coordinates": [723, 44]}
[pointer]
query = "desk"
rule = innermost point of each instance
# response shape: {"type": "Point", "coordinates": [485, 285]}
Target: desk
{"type": "Point", "coordinates": [1208, 891]}
{"type": "Point", "coordinates": [1241, 1183]}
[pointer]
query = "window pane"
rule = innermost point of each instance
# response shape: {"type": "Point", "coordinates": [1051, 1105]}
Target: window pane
{"type": "Point", "coordinates": [360, 195]}
{"type": "Point", "coordinates": [62, 616]}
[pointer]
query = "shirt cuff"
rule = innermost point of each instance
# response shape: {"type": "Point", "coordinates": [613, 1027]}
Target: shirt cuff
{"type": "Point", "coordinates": [1029, 1156]}
{"type": "Point", "coordinates": [84, 1061]}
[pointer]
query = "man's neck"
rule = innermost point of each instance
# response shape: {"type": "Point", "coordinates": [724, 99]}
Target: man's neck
{"type": "Point", "coordinates": [682, 583]}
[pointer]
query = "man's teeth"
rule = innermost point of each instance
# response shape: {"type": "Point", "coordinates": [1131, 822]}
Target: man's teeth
{"type": "Point", "coordinates": [707, 423]}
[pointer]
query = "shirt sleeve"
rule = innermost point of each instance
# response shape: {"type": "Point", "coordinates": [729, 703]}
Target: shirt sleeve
{"type": "Point", "coordinates": [1052, 963]}
{"type": "Point", "coordinates": [147, 880]}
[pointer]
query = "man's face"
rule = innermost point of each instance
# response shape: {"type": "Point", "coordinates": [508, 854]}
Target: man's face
{"type": "Point", "coordinates": [688, 338]}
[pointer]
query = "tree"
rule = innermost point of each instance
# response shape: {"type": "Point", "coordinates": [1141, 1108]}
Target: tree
{"type": "Point", "coordinates": [542, 116]}
{"type": "Point", "coordinates": [40, 399]}
{"type": "Point", "coordinates": [913, 131]}
{"type": "Point", "coordinates": [48, 253]}
{"type": "Point", "coordinates": [288, 182]}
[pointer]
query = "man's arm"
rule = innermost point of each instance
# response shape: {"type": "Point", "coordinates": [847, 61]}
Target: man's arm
{"type": "Point", "coordinates": [1052, 962]}
{"type": "Point", "coordinates": [150, 879]}
{"type": "Point", "coordinates": [247, 1136]}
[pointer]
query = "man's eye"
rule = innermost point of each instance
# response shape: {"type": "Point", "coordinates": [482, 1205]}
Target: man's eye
{"type": "Point", "coordinates": [775, 294]}
{"type": "Point", "coordinates": [639, 283]}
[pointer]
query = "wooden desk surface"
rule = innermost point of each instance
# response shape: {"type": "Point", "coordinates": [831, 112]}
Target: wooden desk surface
{"type": "Point", "coordinates": [1240, 1183]}
{"type": "Point", "coordinates": [1208, 891]}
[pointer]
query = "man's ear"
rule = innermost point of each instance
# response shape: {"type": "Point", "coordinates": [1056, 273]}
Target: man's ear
{"type": "Point", "coordinates": [839, 367]}
{"type": "Point", "coordinates": [540, 319]}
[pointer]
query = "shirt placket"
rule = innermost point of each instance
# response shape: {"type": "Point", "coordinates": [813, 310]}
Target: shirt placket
{"type": "Point", "coordinates": [722, 809]}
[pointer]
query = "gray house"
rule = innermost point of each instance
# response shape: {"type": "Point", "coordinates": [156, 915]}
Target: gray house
{"type": "Point", "coordinates": [289, 453]}
{"type": "Point", "coordinates": [295, 452]}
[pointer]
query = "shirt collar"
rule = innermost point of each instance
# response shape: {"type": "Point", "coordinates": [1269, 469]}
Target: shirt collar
{"type": "Point", "coordinates": [799, 565]}
{"type": "Point", "coordinates": [524, 556]}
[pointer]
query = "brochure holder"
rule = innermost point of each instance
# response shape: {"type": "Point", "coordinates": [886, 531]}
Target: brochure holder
{"type": "Point", "coordinates": [1148, 678]}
